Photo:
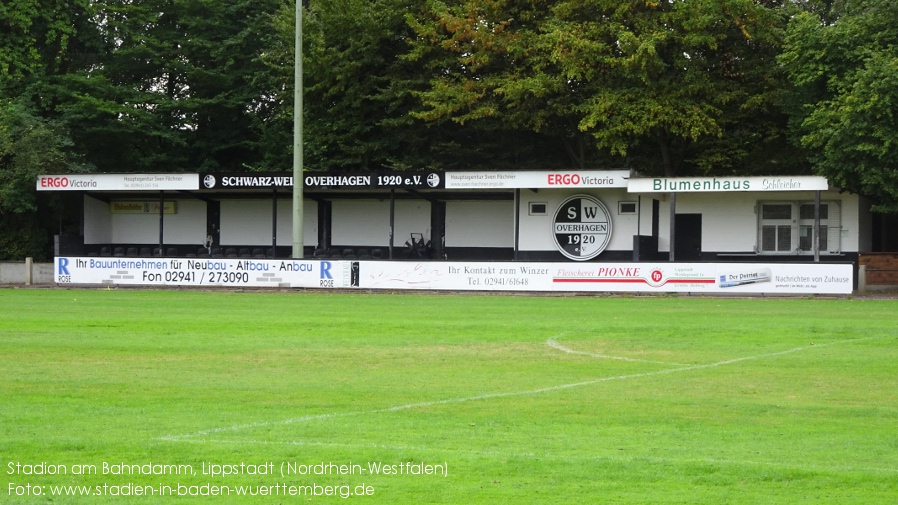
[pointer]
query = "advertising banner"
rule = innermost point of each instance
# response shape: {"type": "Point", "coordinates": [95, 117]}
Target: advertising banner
{"type": "Point", "coordinates": [704, 278]}
{"type": "Point", "coordinates": [375, 180]}
{"type": "Point", "coordinates": [326, 180]}
{"type": "Point", "coordinates": [579, 179]}
{"type": "Point", "coordinates": [709, 278]}
{"type": "Point", "coordinates": [726, 184]}
{"type": "Point", "coordinates": [221, 272]}
{"type": "Point", "coordinates": [142, 207]}
{"type": "Point", "coordinates": [117, 182]}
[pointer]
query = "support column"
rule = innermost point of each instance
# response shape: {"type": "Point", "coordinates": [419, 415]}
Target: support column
{"type": "Point", "coordinates": [392, 218]}
{"type": "Point", "coordinates": [161, 222]}
{"type": "Point", "coordinates": [298, 245]}
{"type": "Point", "coordinates": [673, 225]}
{"type": "Point", "coordinates": [274, 222]}
{"type": "Point", "coordinates": [816, 226]}
{"type": "Point", "coordinates": [29, 271]}
{"type": "Point", "coordinates": [517, 222]}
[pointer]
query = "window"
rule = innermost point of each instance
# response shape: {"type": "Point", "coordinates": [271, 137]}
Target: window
{"type": "Point", "coordinates": [776, 227]}
{"type": "Point", "coordinates": [788, 228]}
{"type": "Point", "coordinates": [538, 209]}
{"type": "Point", "coordinates": [776, 238]}
{"type": "Point", "coordinates": [777, 211]}
{"type": "Point", "coordinates": [626, 208]}
{"type": "Point", "coordinates": [806, 238]}
{"type": "Point", "coordinates": [806, 227]}
{"type": "Point", "coordinates": [806, 211]}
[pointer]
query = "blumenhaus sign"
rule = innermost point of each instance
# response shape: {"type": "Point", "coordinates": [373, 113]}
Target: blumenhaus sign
{"type": "Point", "coordinates": [725, 184]}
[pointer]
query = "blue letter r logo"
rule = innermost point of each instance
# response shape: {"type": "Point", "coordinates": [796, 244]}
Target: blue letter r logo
{"type": "Point", "coordinates": [64, 266]}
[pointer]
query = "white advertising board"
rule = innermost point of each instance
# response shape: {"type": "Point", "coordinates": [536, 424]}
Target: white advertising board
{"type": "Point", "coordinates": [228, 272]}
{"type": "Point", "coordinates": [726, 184]}
{"type": "Point", "coordinates": [707, 278]}
{"type": "Point", "coordinates": [565, 179]}
{"type": "Point", "coordinates": [117, 182]}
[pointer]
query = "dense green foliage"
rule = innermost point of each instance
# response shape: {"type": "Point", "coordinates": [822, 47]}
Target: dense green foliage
{"type": "Point", "coordinates": [678, 88]}
{"type": "Point", "coordinates": [846, 76]}
{"type": "Point", "coordinates": [30, 145]}
{"type": "Point", "coordinates": [550, 400]}
{"type": "Point", "coordinates": [672, 87]}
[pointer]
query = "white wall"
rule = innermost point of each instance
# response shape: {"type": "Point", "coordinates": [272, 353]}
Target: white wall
{"type": "Point", "coordinates": [730, 220]}
{"type": "Point", "coordinates": [98, 222]}
{"type": "Point", "coordinates": [360, 222]}
{"type": "Point", "coordinates": [480, 223]}
{"type": "Point", "coordinates": [412, 216]}
{"type": "Point", "coordinates": [857, 222]}
{"type": "Point", "coordinates": [536, 232]}
{"type": "Point", "coordinates": [186, 226]}
{"type": "Point", "coordinates": [367, 222]}
{"type": "Point", "coordinates": [285, 223]}
{"type": "Point", "coordinates": [248, 222]}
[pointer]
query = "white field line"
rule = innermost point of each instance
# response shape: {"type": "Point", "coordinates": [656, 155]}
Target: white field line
{"type": "Point", "coordinates": [489, 396]}
{"type": "Point", "coordinates": [553, 343]}
{"type": "Point", "coordinates": [566, 457]}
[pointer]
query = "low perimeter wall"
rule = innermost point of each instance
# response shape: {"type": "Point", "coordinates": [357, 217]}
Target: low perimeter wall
{"type": "Point", "coordinates": [706, 278]}
{"type": "Point", "coordinates": [881, 269]}
{"type": "Point", "coordinates": [26, 272]}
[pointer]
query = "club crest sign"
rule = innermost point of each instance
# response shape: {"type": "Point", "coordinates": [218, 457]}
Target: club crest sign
{"type": "Point", "coordinates": [582, 227]}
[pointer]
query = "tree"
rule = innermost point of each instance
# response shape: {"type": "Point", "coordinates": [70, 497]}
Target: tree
{"type": "Point", "coordinates": [37, 39]}
{"type": "Point", "coordinates": [638, 75]}
{"type": "Point", "coordinates": [123, 86]}
{"type": "Point", "coordinates": [846, 78]}
{"type": "Point", "coordinates": [492, 70]}
{"type": "Point", "coordinates": [360, 96]}
{"type": "Point", "coordinates": [29, 146]}
{"type": "Point", "coordinates": [357, 86]}
{"type": "Point", "coordinates": [174, 85]}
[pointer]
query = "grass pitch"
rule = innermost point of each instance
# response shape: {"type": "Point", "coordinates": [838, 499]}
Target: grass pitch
{"type": "Point", "coordinates": [199, 397]}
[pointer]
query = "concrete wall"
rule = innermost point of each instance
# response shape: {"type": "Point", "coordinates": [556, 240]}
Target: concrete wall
{"type": "Point", "coordinates": [17, 272]}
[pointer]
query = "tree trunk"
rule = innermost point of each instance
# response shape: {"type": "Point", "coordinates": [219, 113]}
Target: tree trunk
{"type": "Point", "coordinates": [664, 144]}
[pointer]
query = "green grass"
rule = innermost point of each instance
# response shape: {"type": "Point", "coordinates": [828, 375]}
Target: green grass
{"type": "Point", "coordinates": [716, 400]}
